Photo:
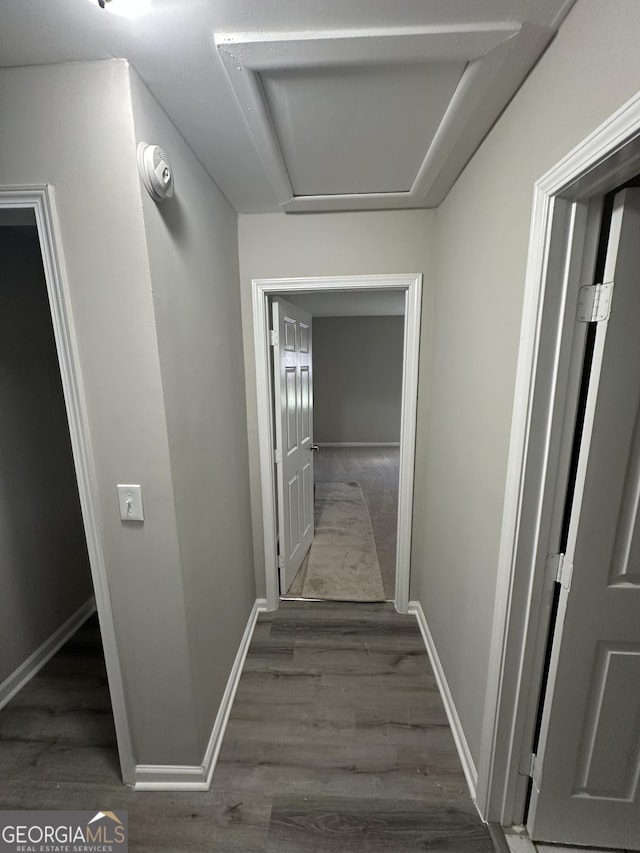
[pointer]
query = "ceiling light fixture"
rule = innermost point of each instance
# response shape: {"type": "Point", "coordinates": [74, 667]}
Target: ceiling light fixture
{"type": "Point", "coordinates": [126, 8]}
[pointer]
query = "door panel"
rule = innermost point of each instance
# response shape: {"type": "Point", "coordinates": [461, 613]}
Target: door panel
{"type": "Point", "coordinates": [306, 426]}
{"type": "Point", "coordinates": [291, 407]}
{"type": "Point", "coordinates": [625, 565]}
{"type": "Point", "coordinates": [586, 791]}
{"type": "Point", "coordinates": [293, 411]}
{"type": "Point", "coordinates": [307, 499]}
{"type": "Point", "coordinates": [293, 506]}
{"type": "Point", "coordinates": [609, 755]}
{"type": "Point", "coordinates": [289, 334]}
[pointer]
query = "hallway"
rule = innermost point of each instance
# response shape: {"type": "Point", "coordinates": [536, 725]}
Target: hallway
{"type": "Point", "coordinates": [337, 741]}
{"type": "Point", "coordinates": [339, 731]}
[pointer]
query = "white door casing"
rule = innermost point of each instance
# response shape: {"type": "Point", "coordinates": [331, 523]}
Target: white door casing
{"type": "Point", "coordinates": [262, 291]}
{"type": "Point", "coordinates": [293, 417]}
{"type": "Point", "coordinates": [40, 200]}
{"type": "Point", "coordinates": [586, 788]}
{"type": "Point", "coordinates": [557, 265]}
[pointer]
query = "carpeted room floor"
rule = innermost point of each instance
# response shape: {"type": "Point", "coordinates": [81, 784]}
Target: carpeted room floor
{"type": "Point", "coordinates": [376, 470]}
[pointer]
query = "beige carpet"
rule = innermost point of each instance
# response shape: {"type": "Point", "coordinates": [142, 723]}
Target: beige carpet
{"type": "Point", "coordinates": [343, 563]}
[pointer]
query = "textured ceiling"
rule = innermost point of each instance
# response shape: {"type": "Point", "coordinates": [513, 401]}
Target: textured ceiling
{"type": "Point", "coordinates": [340, 129]}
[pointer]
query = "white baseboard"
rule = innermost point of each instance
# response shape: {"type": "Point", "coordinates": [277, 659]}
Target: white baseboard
{"type": "Point", "coordinates": [466, 759]}
{"type": "Point", "coordinates": [34, 663]}
{"type": "Point", "coordinates": [158, 777]}
{"type": "Point", "coordinates": [358, 444]}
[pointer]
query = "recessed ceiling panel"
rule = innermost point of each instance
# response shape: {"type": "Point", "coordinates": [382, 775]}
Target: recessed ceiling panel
{"type": "Point", "coordinates": [373, 119]}
{"type": "Point", "coordinates": [362, 129]}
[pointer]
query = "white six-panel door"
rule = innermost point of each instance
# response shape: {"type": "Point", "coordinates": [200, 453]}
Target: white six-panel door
{"type": "Point", "coordinates": [586, 788]}
{"type": "Point", "coordinates": [294, 435]}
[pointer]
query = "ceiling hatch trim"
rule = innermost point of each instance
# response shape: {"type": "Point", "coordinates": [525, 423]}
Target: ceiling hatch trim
{"type": "Point", "coordinates": [496, 58]}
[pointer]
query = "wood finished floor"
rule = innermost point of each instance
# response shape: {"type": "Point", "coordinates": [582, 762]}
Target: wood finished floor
{"type": "Point", "coordinates": [337, 741]}
{"type": "Point", "coordinates": [377, 470]}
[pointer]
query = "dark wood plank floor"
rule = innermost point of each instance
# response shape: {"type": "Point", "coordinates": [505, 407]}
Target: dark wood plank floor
{"type": "Point", "coordinates": [337, 741]}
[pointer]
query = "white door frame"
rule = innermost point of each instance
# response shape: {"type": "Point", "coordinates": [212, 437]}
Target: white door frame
{"type": "Point", "coordinates": [263, 289]}
{"type": "Point", "coordinates": [561, 240]}
{"type": "Point", "coordinates": [39, 199]}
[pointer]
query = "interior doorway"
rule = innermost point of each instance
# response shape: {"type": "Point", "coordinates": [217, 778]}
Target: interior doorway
{"type": "Point", "coordinates": [31, 209]}
{"type": "Point", "coordinates": [568, 205]}
{"type": "Point", "coordinates": [357, 359]}
{"type": "Point", "coordinates": [47, 604]}
{"type": "Point", "coordinates": [408, 287]}
{"type": "Point", "coordinates": [584, 790]}
{"type": "Point", "coordinates": [46, 579]}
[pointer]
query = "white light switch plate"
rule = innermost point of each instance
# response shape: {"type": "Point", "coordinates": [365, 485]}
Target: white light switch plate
{"type": "Point", "coordinates": [130, 501]}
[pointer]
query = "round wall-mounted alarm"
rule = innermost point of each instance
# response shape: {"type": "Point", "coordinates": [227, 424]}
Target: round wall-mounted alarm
{"type": "Point", "coordinates": [155, 171]}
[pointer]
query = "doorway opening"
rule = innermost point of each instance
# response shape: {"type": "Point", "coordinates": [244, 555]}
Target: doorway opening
{"type": "Point", "coordinates": [357, 357]}
{"type": "Point", "coordinates": [408, 288]}
{"type": "Point", "coordinates": [48, 490]}
{"type": "Point", "coordinates": [595, 634]}
{"type": "Point", "coordinates": [567, 214]}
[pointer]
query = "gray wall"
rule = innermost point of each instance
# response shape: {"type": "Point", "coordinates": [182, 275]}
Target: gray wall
{"type": "Point", "coordinates": [72, 126]}
{"type": "Point", "coordinates": [44, 568]}
{"type": "Point", "coordinates": [193, 252]}
{"type": "Point", "coordinates": [467, 372]}
{"type": "Point", "coordinates": [280, 246]}
{"type": "Point", "coordinates": [357, 378]}
{"type": "Point", "coordinates": [589, 71]}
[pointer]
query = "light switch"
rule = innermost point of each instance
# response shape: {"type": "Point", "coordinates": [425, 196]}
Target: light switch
{"type": "Point", "coordinates": [130, 500]}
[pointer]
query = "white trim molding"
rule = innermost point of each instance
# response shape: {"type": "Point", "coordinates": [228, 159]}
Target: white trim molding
{"type": "Point", "coordinates": [496, 58]}
{"type": "Point", "coordinates": [263, 290]}
{"type": "Point", "coordinates": [40, 199]}
{"type": "Point", "coordinates": [559, 247]}
{"type": "Point", "coordinates": [43, 654]}
{"type": "Point", "coordinates": [158, 777]}
{"type": "Point", "coordinates": [464, 753]}
{"type": "Point", "coordinates": [518, 841]}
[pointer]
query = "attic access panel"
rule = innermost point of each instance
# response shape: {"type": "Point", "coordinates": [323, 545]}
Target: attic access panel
{"type": "Point", "coordinates": [357, 129]}
{"type": "Point", "coordinates": [352, 120]}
